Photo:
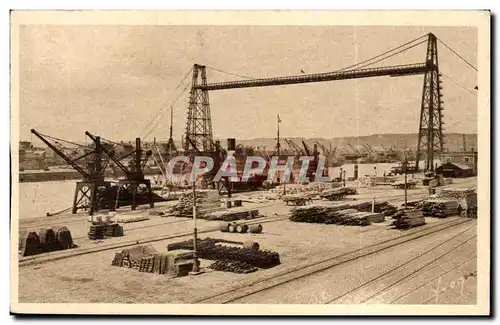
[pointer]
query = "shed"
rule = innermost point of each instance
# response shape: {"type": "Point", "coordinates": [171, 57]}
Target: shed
{"type": "Point", "coordinates": [455, 170]}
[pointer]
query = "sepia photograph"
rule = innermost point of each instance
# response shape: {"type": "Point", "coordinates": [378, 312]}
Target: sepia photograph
{"type": "Point", "coordinates": [265, 162]}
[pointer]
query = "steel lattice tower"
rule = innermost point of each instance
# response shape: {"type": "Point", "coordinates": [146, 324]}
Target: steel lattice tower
{"type": "Point", "coordinates": [199, 124]}
{"type": "Point", "coordinates": [430, 134]}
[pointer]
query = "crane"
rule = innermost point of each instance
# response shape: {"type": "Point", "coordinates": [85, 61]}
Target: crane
{"type": "Point", "coordinates": [199, 125]}
{"type": "Point", "coordinates": [92, 192]}
{"type": "Point", "coordinates": [134, 173]}
{"type": "Point", "coordinates": [295, 147]}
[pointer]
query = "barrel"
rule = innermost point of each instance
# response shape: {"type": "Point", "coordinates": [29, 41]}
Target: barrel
{"type": "Point", "coordinates": [251, 245]}
{"type": "Point", "coordinates": [241, 228]}
{"type": "Point", "coordinates": [228, 204]}
{"type": "Point", "coordinates": [224, 227]}
{"type": "Point", "coordinates": [238, 203]}
{"type": "Point", "coordinates": [255, 229]}
{"type": "Point", "coordinates": [232, 227]}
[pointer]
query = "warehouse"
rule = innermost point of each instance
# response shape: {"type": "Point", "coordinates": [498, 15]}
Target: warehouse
{"type": "Point", "coordinates": [455, 170]}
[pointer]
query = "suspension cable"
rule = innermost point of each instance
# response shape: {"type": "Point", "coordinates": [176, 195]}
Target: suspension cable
{"type": "Point", "coordinates": [458, 84]}
{"type": "Point", "coordinates": [151, 120]}
{"type": "Point", "coordinates": [396, 53]}
{"type": "Point", "coordinates": [230, 73]}
{"type": "Point", "coordinates": [454, 52]}
{"type": "Point", "coordinates": [155, 123]}
{"type": "Point", "coordinates": [382, 54]}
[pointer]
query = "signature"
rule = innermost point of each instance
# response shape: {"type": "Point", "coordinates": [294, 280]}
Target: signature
{"type": "Point", "coordinates": [440, 288]}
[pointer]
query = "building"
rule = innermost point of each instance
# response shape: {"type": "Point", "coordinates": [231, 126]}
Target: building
{"type": "Point", "coordinates": [466, 158]}
{"type": "Point", "coordinates": [455, 170]}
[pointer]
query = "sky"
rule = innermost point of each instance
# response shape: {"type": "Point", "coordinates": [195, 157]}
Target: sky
{"type": "Point", "coordinates": [114, 80]}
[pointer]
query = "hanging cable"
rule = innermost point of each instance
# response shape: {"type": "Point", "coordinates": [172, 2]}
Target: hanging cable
{"type": "Point", "coordinates": [229, 73]}
{"type": "Point", "coordinates": [155, 125]}
{"type": "Point", "coordinates": [449, 48]}
{"type": "Point", "coordinates": [66, 141]}
{"type": "Point", "coordinates": [382, 59]}
{"type": "Point", "coordinates": [382, 54]}
{"type": "Point", "coordinates": [151, 120]}
{"type": "Point", "coordinates": [458, 84]}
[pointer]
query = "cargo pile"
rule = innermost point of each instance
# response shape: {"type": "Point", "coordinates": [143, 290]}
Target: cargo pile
{"type": "Point", "coordinates": [146, 258]}
{"type": "Point", "coordinates": [46, 240]}
{"type": "Point", "coordinates": [408, 219]}
{"type": "Point", "coordinates": [232, 215]}
{"type": "Point", "coordinates": [102, 230]}
{"type": "Point", "coordinates": [206, 201]}
{"type": "Point", "coordinates": [208, 249]}
{"type": "Point", "coordinates": [337, 194]}
{"type": "Point", "coordinates": [339, 215]}
{"type": "Point", "coordinates": [240, 228]}
{"type": "Point", "coordinates": [383, 207]}
{"type": "Point", "coordinates": [466, 198]}
{"type": "Point", "coordinates": [298, 199]}
{"type": "Point", "coordinates": [440, 208]}
{"type": "Point", "coordinates": [233, 266]}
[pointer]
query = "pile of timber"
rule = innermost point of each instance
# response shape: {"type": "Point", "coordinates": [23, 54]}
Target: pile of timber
{"type": "Point", "coordinates": [466, 198]}
{"type": "Point", "coordinates": [46, 240]}
{"type": "Point", "coordinates": [209, 249]}
{"type": "Point", "coordinates": [408, 219]}
{"type": "Point", "coordinates": [233, 266]}
{"type": "Point", "coordinates": [298, 199]}
{"type": "Point", "coordinates": [441, 208]}
{"type": "Point", "coordinates": [206, 201]}
{"type": "Point", "coordinates": [335, 194]}
{"type": "Point", "coordinates": [383, 207]}
{"type": "Point", "coordinates": [414, 204]}
{"type": "Point", "coordinates": [146, 258]}
{"type": "Point", "coordinates": [232, 215]}
{"type": "Point", "coordinates": [340, 215]}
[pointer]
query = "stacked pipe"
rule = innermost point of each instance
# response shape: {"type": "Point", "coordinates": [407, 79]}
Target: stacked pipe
{"type": "Point", "coordinates": [441, 208]}
{"type": "Point", "coordinates": [240, 228]}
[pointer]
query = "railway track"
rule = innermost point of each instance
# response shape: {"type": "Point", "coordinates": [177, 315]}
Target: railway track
{"type": "Point", "coordinates": [303, 271]}
{"type": "Point", "coordinates": [403, 273]}
{"type": "Point", "coordinates": [58, 255]}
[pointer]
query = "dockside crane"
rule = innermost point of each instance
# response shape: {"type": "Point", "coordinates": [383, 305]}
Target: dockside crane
{"type": "Point", "coordinates": [295, 147]}
{"type": "Point", "coordinates": [134, 181]}
{"type": "Point", "coordinates": [92, 192]}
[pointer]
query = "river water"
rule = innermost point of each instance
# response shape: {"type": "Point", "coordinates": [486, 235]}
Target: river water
{"type": "Point", "coordinates": [38, 198]}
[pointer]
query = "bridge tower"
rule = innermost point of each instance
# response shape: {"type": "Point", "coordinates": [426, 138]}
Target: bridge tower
{"type": "Point", "coordinates": [430, 134]}
{"type": "Point", "coordinates": [199, 123]}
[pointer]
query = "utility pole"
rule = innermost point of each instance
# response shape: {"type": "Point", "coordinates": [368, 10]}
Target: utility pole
{"type": "Point", "coordinates": [405, 167]}
{"type": "Point", "coordinates": [196, 269]}
{"type": "Point", "coordinates": [278, 145]}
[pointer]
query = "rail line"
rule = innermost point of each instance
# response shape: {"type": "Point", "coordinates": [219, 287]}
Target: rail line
{"type": "Point", "coordinates": [58, 255]}
{"type": "Point", "coordinates": [313, 268]}
{"type": "Point", "coordinates": [400, 268]}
